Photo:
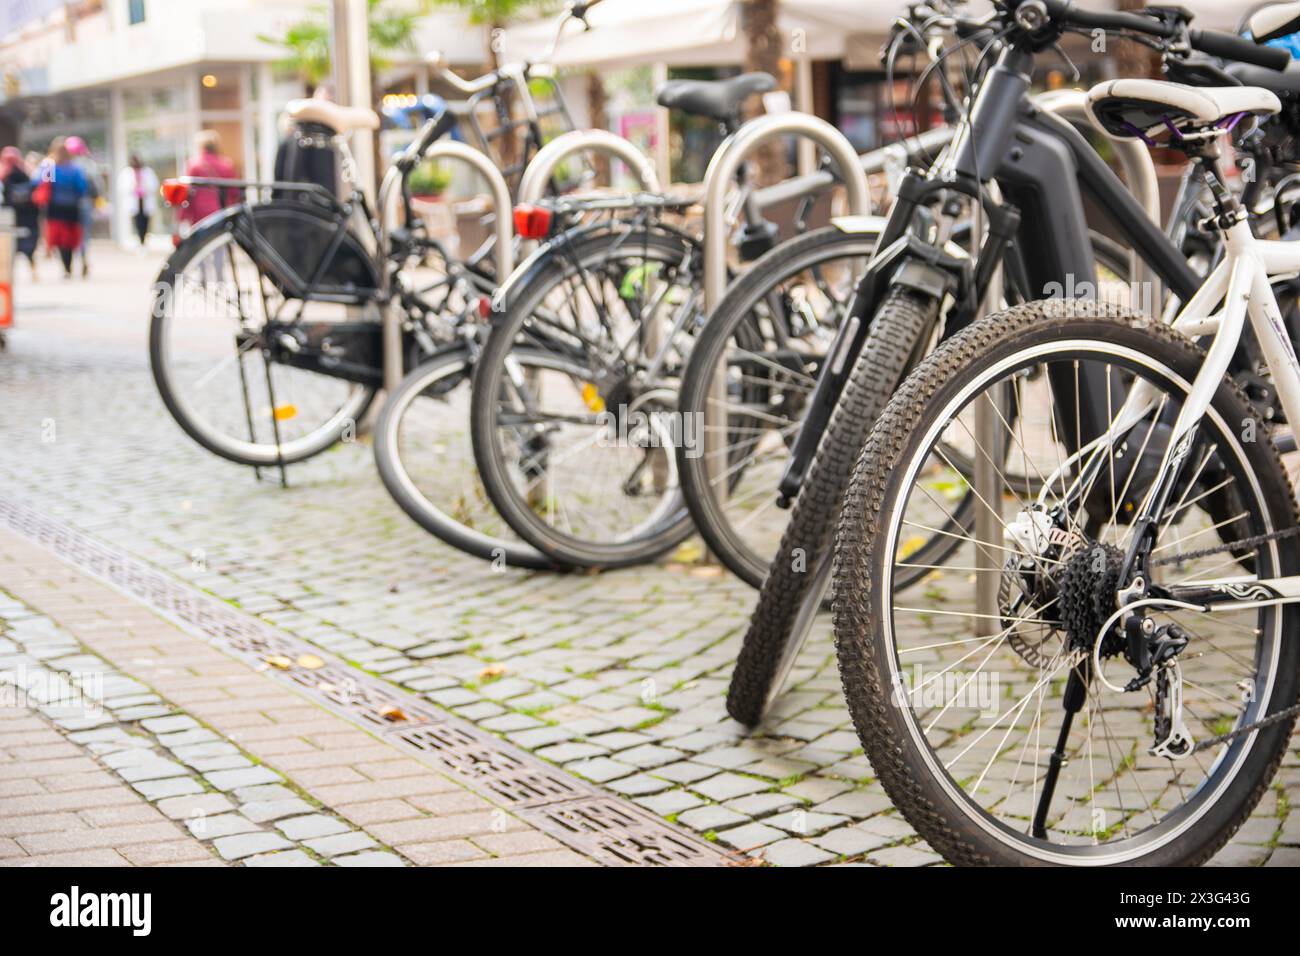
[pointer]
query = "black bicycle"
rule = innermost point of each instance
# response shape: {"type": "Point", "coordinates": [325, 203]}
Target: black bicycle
{"type": "Point", "coordinates": [1037, 238]}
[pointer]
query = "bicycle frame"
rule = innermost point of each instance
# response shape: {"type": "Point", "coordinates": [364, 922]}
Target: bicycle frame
{"type": "Point", "coordinates": [1242, 285]}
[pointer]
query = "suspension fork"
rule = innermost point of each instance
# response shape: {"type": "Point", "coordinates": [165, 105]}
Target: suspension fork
{"type": "Point", "coordinates": [905, 259]}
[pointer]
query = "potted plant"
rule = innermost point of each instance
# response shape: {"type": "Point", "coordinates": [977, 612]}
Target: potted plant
{"type": "Point", "coordinates": [429, 181]}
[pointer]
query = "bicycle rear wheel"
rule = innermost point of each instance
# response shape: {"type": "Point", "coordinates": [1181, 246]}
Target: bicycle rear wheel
{"type": "Point", "coordinates": [997, 738]}
{"type": "Point", "coordinates": [211, 360]}
{"type": "Point", "coordinates": [574, 414]}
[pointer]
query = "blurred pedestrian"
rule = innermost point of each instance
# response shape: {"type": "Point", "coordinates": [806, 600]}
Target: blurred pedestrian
{"type": "Point", "coordinates": [137, 191]}
{"type": "Point", "coordinates": [207, 163]}
{"type": "Point", "coordinates": [80, 153]}
{"type": "Point", "coordinates": [19, 186]}
{"type": "Point", "coordinates": [61, 189]}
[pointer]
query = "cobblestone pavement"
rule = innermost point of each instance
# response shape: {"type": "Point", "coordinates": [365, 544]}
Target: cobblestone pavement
{"type": "Point", "coordinates": [103, 695]}
{"type": "Point", "coordinates": [617, 677]}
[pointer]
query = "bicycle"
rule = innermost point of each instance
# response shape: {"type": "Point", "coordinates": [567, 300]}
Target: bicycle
{"type": "Point", "coordinates": [1147, 588]}
{"type": "Point", "coordinates": [759, 396]}
{"type": "Point", "coordinates": [1036, 236]}
{"type": "Point", "coordinates": [581, 370]}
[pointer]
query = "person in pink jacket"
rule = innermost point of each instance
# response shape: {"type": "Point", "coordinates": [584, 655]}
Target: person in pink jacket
{"type": "Point", "coordinates": [208, 163]}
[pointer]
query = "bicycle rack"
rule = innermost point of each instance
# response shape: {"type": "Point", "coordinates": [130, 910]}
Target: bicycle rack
{"type": "Point", "coordinates": [722, 171]}
{"type": "Point", "coordinates": [536, 178]}
{"type": "Point", "coordinates": [726, 163]}
{"type": "Point", "coordinates": [503, 251]}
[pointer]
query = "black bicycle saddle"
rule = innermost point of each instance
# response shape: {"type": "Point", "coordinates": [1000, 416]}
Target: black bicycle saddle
{"type": "Point", "coordinates": [716, 99]}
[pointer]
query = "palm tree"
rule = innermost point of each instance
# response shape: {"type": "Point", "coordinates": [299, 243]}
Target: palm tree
{"type": "Point", "coordinates": [307, 42]}
{"type": "Point", "coordinates": [763, 53]}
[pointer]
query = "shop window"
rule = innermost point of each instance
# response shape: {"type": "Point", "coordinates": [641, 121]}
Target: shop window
{"type": "Point", "coordinates": [134, 12]}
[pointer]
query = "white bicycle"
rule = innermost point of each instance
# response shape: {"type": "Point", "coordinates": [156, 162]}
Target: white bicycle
{"type": "Point", "coordinates": [1108, 673]}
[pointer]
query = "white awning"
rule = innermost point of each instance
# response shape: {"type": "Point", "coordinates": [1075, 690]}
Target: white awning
{"type": "Point", "coordinates": [709, 32]}
{"type": "Point", "coordinates": [694, 32]}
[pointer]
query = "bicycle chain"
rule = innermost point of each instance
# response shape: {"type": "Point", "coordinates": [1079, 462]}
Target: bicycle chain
{"type": "Point", "coordinates": [1241, 544]}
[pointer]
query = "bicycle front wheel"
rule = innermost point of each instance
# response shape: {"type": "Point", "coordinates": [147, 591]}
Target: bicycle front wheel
{"type": "Point", "coordinates": [1011, 737]}
{"type": "Point", "coordinates": [748, 381]}
{"type": "Point", "coordinates": [426, 461]}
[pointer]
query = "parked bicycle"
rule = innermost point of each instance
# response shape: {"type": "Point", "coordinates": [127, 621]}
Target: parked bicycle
{"type": "Point", "coordinates": [1146, 679]}
{"type": "Point", "coordinates": [1038, 236]}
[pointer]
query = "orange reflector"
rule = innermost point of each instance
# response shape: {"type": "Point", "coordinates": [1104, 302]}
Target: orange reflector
{"type": "Point", "coordinates": [285, 412]}
{"type": "Point", "coordinates": [174, 193]}
{"type": "Point", "coordinates": [6, 305]}
{"type": "Point", "coordinates": [591, 396]}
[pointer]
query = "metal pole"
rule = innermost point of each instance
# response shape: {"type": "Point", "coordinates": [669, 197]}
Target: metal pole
{"type": "Point", "coordinates": [350, 56]}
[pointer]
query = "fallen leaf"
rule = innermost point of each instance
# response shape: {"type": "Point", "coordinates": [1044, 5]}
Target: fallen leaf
{"type": "Point", "coordinates": [706, 571]}
{"type": "Point", "coordinates": [688, 553]}
{"type": "Point", "coordinates": [310, 661]}
{"type": "Point", "coordinates": [280, 661]}
{"type": "Point", "coordinates": [392, 713]}
{"type": "Point", "coordinates": [492, 670]}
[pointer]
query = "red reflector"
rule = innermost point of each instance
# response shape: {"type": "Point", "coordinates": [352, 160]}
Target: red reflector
{"type": "Point", "coordinates": [532, 222]}
{"type": "Point", "coordinates": [174, 193]}
{"type": "Point", "coordinates": [484, 307]}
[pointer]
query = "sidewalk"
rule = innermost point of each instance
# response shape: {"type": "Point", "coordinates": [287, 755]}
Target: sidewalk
{"type": "Point", "coordinates": [197, 758]}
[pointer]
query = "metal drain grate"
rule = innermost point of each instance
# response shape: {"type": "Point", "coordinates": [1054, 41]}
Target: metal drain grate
{"type": "Point", "coordinates": [578, 814]}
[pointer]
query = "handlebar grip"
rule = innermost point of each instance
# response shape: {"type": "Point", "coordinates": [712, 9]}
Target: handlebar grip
{"type": "Point", "coordinates": [1066, 11]}
{"type": "Point", "coordinates": [1232, 47]}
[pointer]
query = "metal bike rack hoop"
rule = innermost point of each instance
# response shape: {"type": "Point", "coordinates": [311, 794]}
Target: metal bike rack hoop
{"type": "Point", "coordinates": [533, 183]}
{"type": "Point", "coordinates": [726, 162]}
{"type": "Point", "coordinates": [504, 249]}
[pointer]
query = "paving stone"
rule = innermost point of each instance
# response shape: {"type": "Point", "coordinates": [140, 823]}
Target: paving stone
{"type": "Point", "coordinates": [795, 853]}
{"type": "Point", "coordinates": [571, 750]}
{"type": "Point", "coordinates": [285, 858]}
{"type": "Point", "coordinates": [711, 818]}
{"type": "Point", "coordinates": [904, 856]}
{"type": "Point", "coordinates": [173, 787]}
{"type": "Point", "coordinates": [802, 822]}
{"type": "Point", "coordinates": [851, 841]}
{"type": "Point", "coordinates": [763, 804]}
{"type": "Point", "coordinates": [650, 756]}
{"type": "Point", "coordinates": [247, 844]}
{"type": "Point", "coordinates": [751, 836]}
{"type": "Point", "coordinates": [269, 810]}
{"type": "Point", "coordinates": [340, 843]}
{"type": "Point", "coordinates": [600, 769]}
{"type": "Point", "coordinates": [156, 769]}
{"type": "Point", "coordinates": [238, 779]}
{"type": "Point", "coordinates": [266, 792]}
{"type": "Point", "coordinates": [307, 827]}
{"type": "Point", "coordinates": [178, 808]}
{"type": "Point", "coordinates": [169, 725]}
{"type": "Point", "coordinates": [684, 771]}
{"type": "Point", "coordinates": [725, 786]}
{"type": "Point", "coordinates": [670, 802]}
{"type": "Point", "coordinates": [638, 785]}
{"type": "Point", "coordinates": [371, 858]}
{"type": "Point", "coordinates": [206, 827]}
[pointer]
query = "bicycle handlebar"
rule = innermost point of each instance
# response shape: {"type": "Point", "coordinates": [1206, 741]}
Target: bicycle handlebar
{"type": "Point", "coordinates": [1226, 45]}
{"type": "Point", "coordinates": [468, 87]}
{"type": "Point", "coordinates": [1231, 47]}
{"type": "Point", "coordinates": [433, 130]}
